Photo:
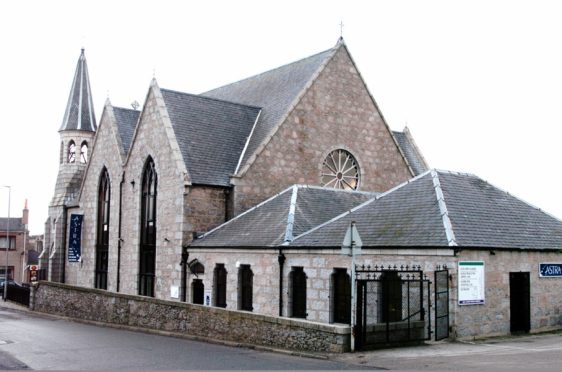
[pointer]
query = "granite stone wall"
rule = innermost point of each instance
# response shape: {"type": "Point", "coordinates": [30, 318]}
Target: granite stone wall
{"type": "Point", "coordinates": [336, 112]}
{"type": "Point", "coordinates": [466, 321]}
{"type": "Point", "coordinates": [493, 317]}
{"type": "Point", "coordinates": [187, 319]}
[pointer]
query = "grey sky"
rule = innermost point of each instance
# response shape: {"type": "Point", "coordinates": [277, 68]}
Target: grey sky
{"type": "Point", "coordinates": [477, 82]}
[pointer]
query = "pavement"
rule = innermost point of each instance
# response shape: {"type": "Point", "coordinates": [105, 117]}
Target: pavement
{"type": "Point", "coordinates": [524, 352]}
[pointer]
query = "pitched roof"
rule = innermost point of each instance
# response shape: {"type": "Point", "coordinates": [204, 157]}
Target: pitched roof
{"type": "Point", "coordinates": [411, 151]}
{"type": "Point", "coordinates": [278, 219]}
{"type": "Point", "coordinates": [443, 209]}
{"type": "Point", "coordinates": [15, 224]}
{"type": "Point", "coordinates": [79, 113]}
{"type": "Point", "coordinates": [483, 215]}
{"type": "Point", "coordinates": [274, 91]}
{"type": "Point", "coordinates": [211, 134]}
{"type": "Point", "coordinates": [126, 122]}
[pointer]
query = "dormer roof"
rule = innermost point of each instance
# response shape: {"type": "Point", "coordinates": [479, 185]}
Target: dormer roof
{"type": "Point", "coordinates": [279, 219]}
{"type": "Point", "coordinates": [79, 113]}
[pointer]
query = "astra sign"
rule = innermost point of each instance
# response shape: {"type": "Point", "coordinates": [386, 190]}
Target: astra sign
{"type": "Point", "coordinates": [550, 270]}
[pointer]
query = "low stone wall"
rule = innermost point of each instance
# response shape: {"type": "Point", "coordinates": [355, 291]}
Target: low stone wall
{"type": "Point", "coordinates": [188, 319]}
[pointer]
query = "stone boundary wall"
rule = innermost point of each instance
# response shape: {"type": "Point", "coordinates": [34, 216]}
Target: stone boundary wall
{"type": "Point", "coordinates": [187, 319]}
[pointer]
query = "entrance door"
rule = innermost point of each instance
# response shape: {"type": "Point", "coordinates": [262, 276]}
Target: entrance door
{"type": "Point", "coordinates": [520, 302]}
{"type": "Point", "coordinates": [198, 291]}
{"type": "Point", "coordinates": [341, 303]}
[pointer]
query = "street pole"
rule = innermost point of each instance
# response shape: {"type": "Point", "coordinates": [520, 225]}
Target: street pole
{"type": "Point", "coordinates": [7, 245]}
{"type": "Point", "coordinates": [353, 321]}
{"type": "Point", "coordinates": [352, 246]}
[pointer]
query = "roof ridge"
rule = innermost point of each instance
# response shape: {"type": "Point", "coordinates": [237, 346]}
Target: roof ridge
{"type": "Point", "coordinates": [456, 173]}
{"type": "Point", "coordinates": [124, 108]}
{"type": "Point", "coordinates": [209, 98]}
{"type": "Point", "coordinates": [449, 233]}
{"type": "Point", "coordinates": [273, 69]}
{"type": "Point", "coordinates": [291, 216]}
{"type": "Point", "coordinates": [247, 142]}
{"type": "Point", "coordinates": [364, 204]}
{"type": "Point", "coordinates": [316, 187]}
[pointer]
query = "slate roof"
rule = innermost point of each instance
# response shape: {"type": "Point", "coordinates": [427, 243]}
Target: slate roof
{"type": "Point", "coordinates": [126, 122]}
{"type": "Point", "coordinates": [483, 215]}
{"type": "Point", "coordinates": [211, 134]}
{"type": "Point", "coordinates": [235, 119]}
{"type": "Point", "coordinates": [411, 152]}
{"type": "Point", "coordinates": [278, 219]}
{"type": "Point", "coordinates": [15, 224]}
{"type": "Point", "coordinates": [274, 91]}
{"type": "Point", "coordinates": [443, 209]}
{"type": "Point", "coordinates": [79, 113]}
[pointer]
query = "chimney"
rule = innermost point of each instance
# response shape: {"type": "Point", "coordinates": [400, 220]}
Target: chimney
{"type": "Point", "coordinates": [25, 214]}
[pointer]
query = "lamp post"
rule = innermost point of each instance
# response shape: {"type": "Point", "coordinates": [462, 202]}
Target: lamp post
{"type": "Point", "coordinates": [7, 244]}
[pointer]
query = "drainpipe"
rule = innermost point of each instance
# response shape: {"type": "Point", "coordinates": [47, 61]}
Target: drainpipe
{"type": "Point", "coordinates": [119, 238]}
{"type": "Point", "coordinates": [183, 264]}
{"type": "Point", "coordinates": [63, 243]}
{"type": "Point", "coordinates": [281, 260]}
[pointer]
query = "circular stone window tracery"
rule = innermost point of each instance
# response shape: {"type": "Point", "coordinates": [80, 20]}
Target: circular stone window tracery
{"type": "Point", "coordinates": [340, 171]}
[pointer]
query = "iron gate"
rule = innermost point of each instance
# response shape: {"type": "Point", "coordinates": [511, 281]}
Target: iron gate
{"type": "Point", "coordinates": [441, 303]}
{"type": "Point", "coordinates": [392, 306]}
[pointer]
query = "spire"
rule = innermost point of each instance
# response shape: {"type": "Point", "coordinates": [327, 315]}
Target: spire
{"type": "Point", "coordinates": [25, 214]}
{"type": "Point", "coordinates": [79, 113]}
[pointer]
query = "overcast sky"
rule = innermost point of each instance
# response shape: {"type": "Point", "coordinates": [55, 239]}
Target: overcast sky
{"type": "Point", "coordinates": [479, 83]}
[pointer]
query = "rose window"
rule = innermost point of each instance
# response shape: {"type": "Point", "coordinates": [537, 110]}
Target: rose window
{"type": "Point", "coordinates": [340, 171]}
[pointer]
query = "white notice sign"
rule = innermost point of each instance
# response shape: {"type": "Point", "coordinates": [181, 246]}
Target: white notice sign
{"type": "Point", "coordinates": [174, 291]}
{"type": "Point", "coordinates": [471, 283]}
{"type": "Point", "coordinates": [208, 297]}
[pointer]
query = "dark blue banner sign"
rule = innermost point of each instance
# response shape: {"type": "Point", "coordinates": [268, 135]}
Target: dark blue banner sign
{"type": "Point", "coordinates": [550, 270]}
{"type": "Point", "coordinates": [75, 238]}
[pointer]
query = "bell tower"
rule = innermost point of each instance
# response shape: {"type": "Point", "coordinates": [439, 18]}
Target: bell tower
{"type": "Point", "coordinates": [76, 138]}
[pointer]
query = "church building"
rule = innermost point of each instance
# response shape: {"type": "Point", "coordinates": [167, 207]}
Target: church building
{"type": "Point", "coordinates": [147, 181]}
{"type": "Point", "coordinates": [241, 197]}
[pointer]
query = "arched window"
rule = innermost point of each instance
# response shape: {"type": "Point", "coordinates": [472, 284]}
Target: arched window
{"type": "Point", "coordinates": [297, 288]}
{"type": "Point", "coordinates": [71, 155]}
{"type": "Point", "coordinates": [245, 288]}
{"type": "Point", "coordinates": [219, 285]}
{"type": "Point", "coordinates": [61, 154]}
{"type": "Point", "coordinates": [102, 242]}
{"type": "Point", "coordinates": [84, 152]}
{"type": "Point", "coordinates": [341, 296]}
{"type": "Point", "coordinates": [147, 258]}
{"type": "Point", "coordinates": [340, 171]}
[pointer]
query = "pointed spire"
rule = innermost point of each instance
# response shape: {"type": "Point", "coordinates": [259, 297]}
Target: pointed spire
{"type": "Point", "coordinates": [79, 114]}
{"type": "Point", "coordinates": [25, 214]}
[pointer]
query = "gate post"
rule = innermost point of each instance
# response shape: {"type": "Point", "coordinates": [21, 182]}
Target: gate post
{"type": "Point", "coordinates": [441, 308]}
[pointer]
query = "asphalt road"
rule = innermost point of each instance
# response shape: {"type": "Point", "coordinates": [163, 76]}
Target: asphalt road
{"type": "Point", "coordinates": [37, 341]}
